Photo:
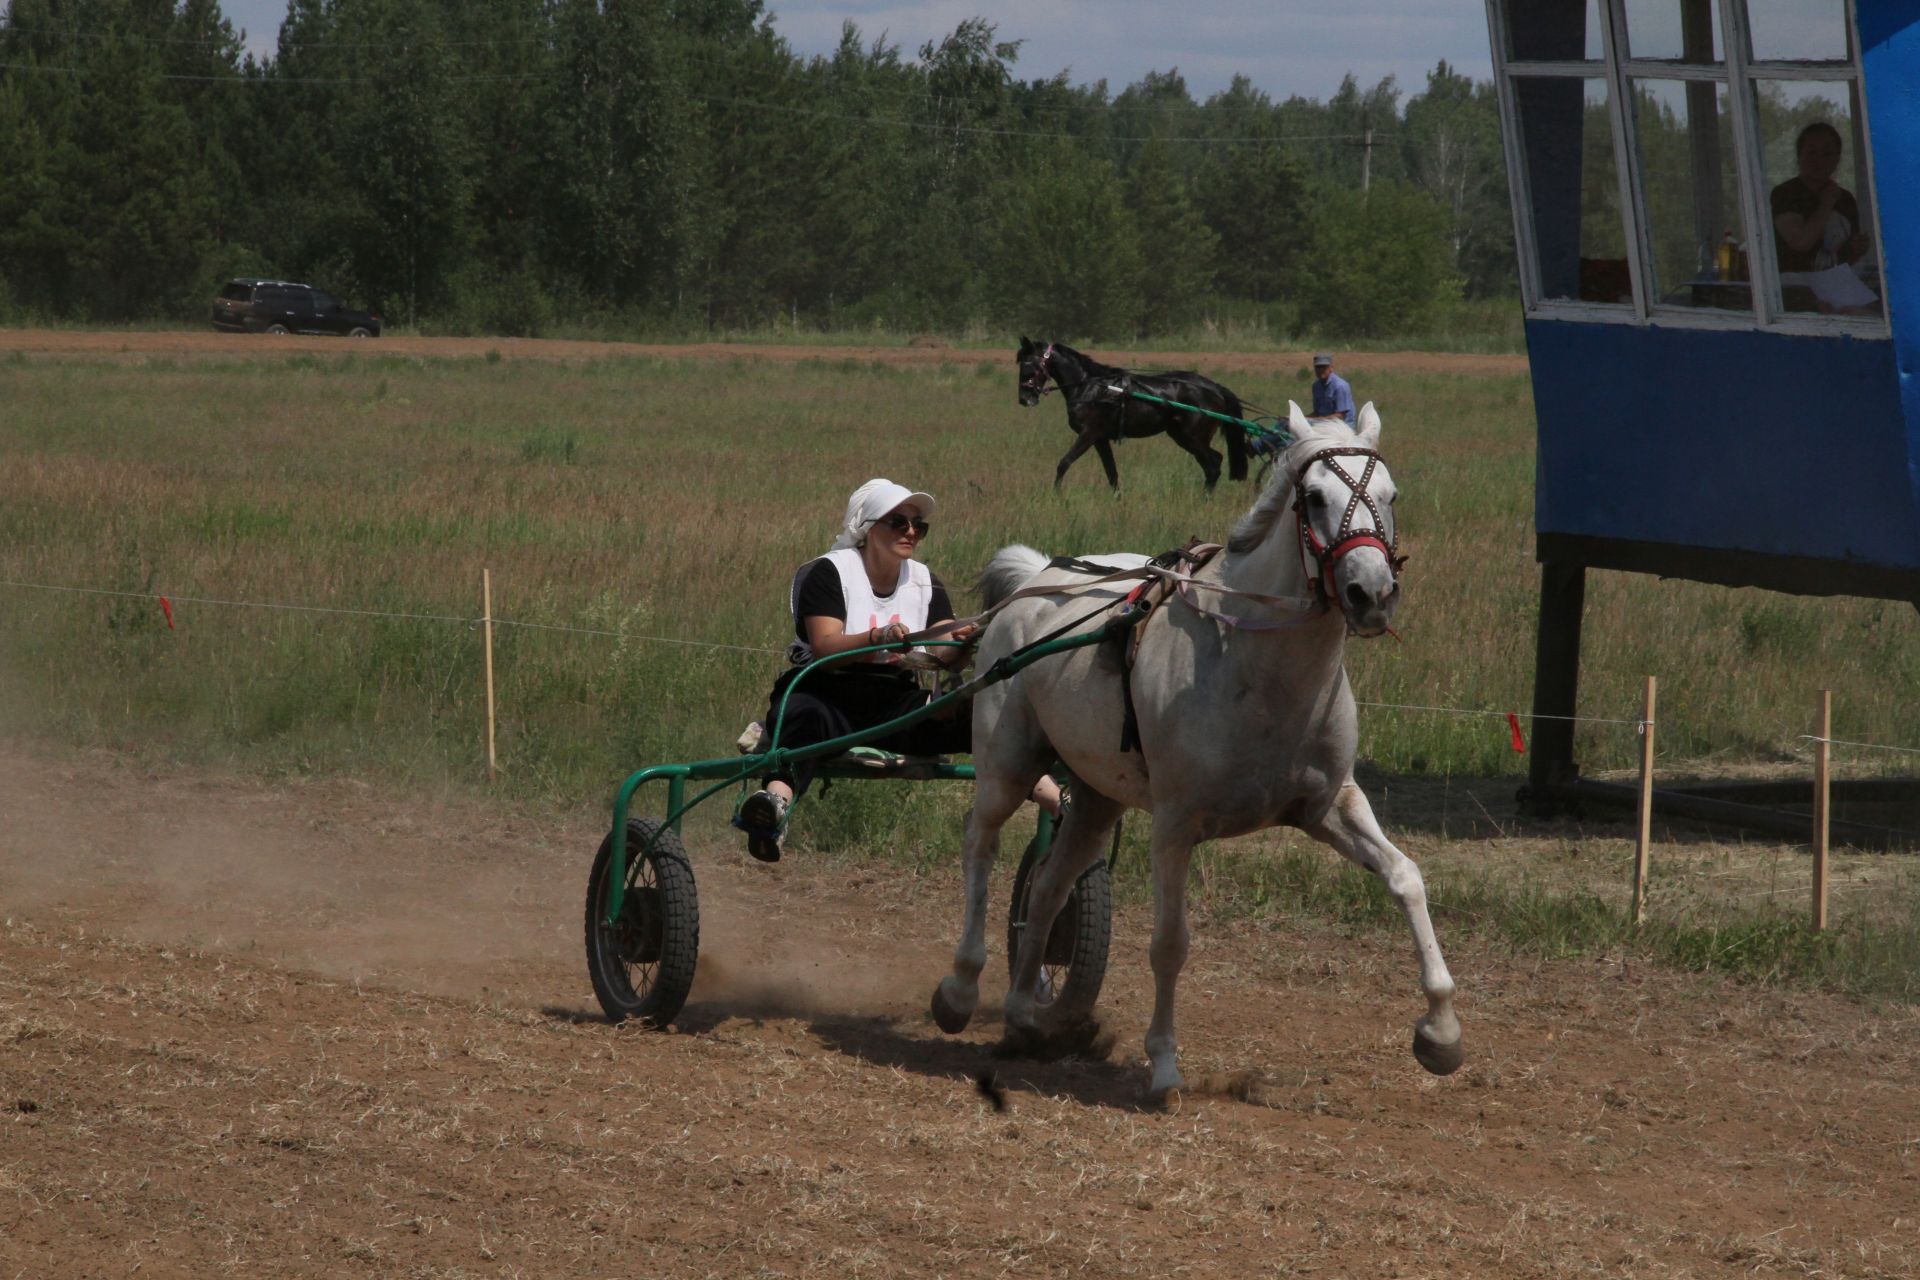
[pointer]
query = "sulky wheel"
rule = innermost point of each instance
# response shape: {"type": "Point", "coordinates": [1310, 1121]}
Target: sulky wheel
{"type": "Point", "coordinates": [642, 963]}
{"type": "Point", "coordinates": [1075, 963]}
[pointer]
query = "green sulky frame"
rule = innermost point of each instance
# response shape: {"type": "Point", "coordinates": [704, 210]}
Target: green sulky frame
{"type": "Point", "coordinates": [731, 770]}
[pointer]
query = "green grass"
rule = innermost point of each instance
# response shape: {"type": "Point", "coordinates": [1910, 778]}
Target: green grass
{"type": "Point", "coordinates": [1697, 920]}
{"type": "Point", "coordinates": [1467, 325]}
{"type": "Point", "coordinates": [630, 503]}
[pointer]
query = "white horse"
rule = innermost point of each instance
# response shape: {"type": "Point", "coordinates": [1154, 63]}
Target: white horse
{"type": "Point", "coordinates": [1245, 721]}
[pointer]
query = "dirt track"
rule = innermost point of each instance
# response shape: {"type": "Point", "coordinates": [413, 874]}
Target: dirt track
{"type": "Point", "coordinates": [61, 342]}
{"type": "Point", "coordinates": [310, 1029]}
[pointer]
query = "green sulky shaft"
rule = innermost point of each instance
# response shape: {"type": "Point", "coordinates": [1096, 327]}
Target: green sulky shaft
{"type": "Point", "coordinates": [1255, 429]}
{"type": "Point", "coordinates": [730, 771]}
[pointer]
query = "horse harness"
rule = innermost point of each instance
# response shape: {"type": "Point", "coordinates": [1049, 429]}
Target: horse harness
{"type": "Point", "coordinates": [1042, 381]}
{"type": "Point", "coordinates": [1322, 557]}
{"type": "Point", "coordinates": [1178, 567]}
{"type": "Point", "coordinates": [1164, 575]}
{"type": "Point", "coordinates": [1145, 598]}
{"type": "Point", "coordinates": [1038, 382]}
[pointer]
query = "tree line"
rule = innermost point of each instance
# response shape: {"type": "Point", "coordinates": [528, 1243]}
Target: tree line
{"type": "Point", "coordinates": [500, 165]}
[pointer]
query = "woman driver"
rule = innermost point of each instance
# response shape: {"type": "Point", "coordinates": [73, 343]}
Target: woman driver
{"type": "Point", "coordinates": [867, 590]}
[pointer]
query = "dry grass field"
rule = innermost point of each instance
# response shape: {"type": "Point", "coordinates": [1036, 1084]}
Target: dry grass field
{"type": "Point", "coordinates": [284, 992]}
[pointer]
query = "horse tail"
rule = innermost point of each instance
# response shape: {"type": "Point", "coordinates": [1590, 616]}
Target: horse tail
{"type": "Point", "coordinates": [1009, 567]}
{"type": "Point", "coordinates": [1236, 438]}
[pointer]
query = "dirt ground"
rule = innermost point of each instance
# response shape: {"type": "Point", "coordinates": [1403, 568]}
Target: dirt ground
{"type": "Point", "coordinates": [922, 351]}
{"type": "Point", "coordinates": [310, 1028]}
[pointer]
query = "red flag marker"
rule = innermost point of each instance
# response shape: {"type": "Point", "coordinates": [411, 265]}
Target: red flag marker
{"type": "Point", "coordinates": [1513, 723]}
{"type": "Point", "coordinates": [166, 607]}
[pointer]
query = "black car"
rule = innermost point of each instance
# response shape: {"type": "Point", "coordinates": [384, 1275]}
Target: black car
{"type": "Point", "coordinates": [283, 306]}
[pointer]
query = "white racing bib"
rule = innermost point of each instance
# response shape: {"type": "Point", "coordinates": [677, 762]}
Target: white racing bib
{"type": "Point", "coordinates": [912, 597]}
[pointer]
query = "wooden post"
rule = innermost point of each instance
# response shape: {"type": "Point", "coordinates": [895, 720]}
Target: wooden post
{"type": "Point", "coordinates": [486, 626]}
{"type": "Point", "coordinates": [1646, 805]}
{"type": "Point", "coordinates": [1822, 813]}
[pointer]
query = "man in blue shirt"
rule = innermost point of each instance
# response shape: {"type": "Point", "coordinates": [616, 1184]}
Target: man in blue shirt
{"type": "Point", "coordinates": [1332, 397]}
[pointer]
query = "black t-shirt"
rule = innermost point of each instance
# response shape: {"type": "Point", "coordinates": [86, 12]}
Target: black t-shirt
{"type": "Point", "coordinates": [1795, 196]}
{"type": "Point", "coordinates": [819, 596]}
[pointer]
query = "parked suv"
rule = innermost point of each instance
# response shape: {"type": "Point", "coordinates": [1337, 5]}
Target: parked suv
{"type": "Point", "coordinates": [282, 306]}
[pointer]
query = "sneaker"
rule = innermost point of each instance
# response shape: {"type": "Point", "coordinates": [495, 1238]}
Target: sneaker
{"type": "Point", "coordinates": [762, 816]}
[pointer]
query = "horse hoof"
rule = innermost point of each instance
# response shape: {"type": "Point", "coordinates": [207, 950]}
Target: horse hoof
{"type": "Point", "coordinates": [1017, 1042]}
{"type": "Point", "coordinates": [1439, 1059]}
{"type": "Point", "coordinates": [1079, 1038]}
{"type": "Point", "coordinates": [948, 1017]}
{"type": "Point", "coordinates": [1164, 1095]}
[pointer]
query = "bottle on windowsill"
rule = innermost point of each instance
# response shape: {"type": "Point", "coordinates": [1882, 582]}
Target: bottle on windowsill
{"type": "Point", "coordinates": [1723, 259]}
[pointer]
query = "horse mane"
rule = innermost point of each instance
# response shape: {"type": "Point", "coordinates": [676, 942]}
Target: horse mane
{"type": "Point", "coordinates": [1087, 362]}
{"type": "Point", "coordinates": [1253, 527]}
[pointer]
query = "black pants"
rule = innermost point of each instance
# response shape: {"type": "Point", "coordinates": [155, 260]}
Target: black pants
{"type": "Point", "coordinates": [831, 704]}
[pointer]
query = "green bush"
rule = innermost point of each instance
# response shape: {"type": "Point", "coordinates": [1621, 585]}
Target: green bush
{"type": "Point", "coordinates": [1382, 263]}
{"type": "Point", "coordinates": [511, 304]}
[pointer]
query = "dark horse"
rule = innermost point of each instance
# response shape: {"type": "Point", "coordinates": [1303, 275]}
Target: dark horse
{"type": "Point", "coordinates": [1100, 410]}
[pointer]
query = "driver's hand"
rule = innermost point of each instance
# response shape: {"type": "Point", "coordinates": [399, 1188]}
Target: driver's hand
{"type": "Point", "coordinates": [962, 632]}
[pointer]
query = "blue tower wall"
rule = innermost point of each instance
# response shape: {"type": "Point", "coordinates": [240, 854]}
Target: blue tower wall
{"type": "Point", "coordinates": [1890, 62]}
{"type": "Point", "coordinates": [1731, 440]}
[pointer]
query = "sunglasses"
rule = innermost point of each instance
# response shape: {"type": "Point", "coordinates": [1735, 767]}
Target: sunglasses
{"type": "Point", "coordinates": [900, 524]}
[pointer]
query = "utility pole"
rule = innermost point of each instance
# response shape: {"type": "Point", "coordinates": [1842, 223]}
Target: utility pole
{"type": "Point", "coordinates": [1366, 162]}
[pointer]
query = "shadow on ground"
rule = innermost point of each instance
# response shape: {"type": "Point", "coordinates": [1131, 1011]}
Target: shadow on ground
{"type": "Point", "coordinates": [894, 1042]}
{"type": "Point", "coordinates": [1483, 808]}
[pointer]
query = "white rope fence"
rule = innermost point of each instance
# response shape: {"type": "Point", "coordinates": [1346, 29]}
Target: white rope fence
{"type": "Point", "coordinates": [1476, 711]}
{"type": "Point", "coordinates": [170, 600]}
{"type": "Point", "coordinates": [1868, 746]}
{"type": "Point", "coordinates": [167, 600]}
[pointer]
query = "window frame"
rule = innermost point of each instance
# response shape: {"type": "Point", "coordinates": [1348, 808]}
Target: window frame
{"type": "Point", "coordinates": [1740, 74]}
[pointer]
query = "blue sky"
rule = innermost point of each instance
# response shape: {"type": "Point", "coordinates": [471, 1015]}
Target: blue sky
{"type": "Point", "coordinates": [1284, 46]}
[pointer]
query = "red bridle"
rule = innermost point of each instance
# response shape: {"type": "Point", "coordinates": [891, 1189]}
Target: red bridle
{"type": "Point", "coordinates": [1321, 557]}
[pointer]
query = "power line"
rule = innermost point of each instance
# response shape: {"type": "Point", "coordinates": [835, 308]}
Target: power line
{"type": "Point", "coordinates": [800, 63]}
{"type": "Point", "coordinates": [251, 81]}
{"type": "Point", "coordinates": [930, 126]}
{"type": "Point", "coordinates": [136, 37]}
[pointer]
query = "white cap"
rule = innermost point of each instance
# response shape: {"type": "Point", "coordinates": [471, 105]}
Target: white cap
{"type": "Point", "coordinates": [871, 501]}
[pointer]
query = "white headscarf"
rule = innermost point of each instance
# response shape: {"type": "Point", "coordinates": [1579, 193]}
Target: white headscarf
{"type": "Point", "coordinates": [871, 501]}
